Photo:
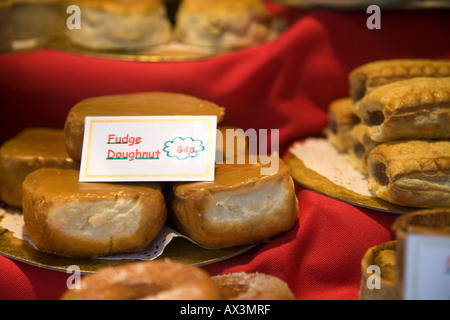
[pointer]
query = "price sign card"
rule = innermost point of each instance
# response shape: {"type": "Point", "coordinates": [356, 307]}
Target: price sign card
{"type": "Point", "coordinates": [427, 267]}
{"type": "Point", "coordinates": [151, 148]}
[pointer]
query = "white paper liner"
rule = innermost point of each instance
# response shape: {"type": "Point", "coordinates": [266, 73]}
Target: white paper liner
{"type": "Point", "coordinates": [12, 220]}
{"type": "Point", "coordinates": [319, 155]}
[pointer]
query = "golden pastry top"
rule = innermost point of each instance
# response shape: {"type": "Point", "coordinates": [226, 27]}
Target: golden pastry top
{"type": "Point", "coordinates": [145, 104]}
{"type": "Point", "coordinates": [411, 157]}
{"type": "Point", "coordinates": [49, 183]}
{"type": "Point", "coordinates": [430, 221]}
{"type": "Point", "coordinates": [340, 111]}
{"type": "Point", "coordinates": [44, 143]}
{"type": "Point", "coordinates": [383, 256]}
{"type": "Point", "coordinates": [229, 176]}
{"type": "Point", "coordinates": [119, 6]}
{"type": "Point", "coordinates": [407, 96]}
{"type": "Point", "coordinates": [218, 7]}
{"type": "Point", "coordinates": [382, 72]}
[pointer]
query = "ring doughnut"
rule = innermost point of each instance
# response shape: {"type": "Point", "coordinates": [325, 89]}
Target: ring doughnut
{"type": "Point", "coordinates": [150, 280]}
{"type": "Point", "coordinates": [252, 286]}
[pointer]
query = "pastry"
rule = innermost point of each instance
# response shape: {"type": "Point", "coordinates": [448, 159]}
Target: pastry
{"type": "Point", "coordinates": [241, 207]}
{"type": "Point", "coordinates": [252, 286]}
{"type": "Point", "coordinates": [136, 104]}
{"type": "Point", "coordinates": [382, 256]}
{"type": "Point", "coordinates": [374, 74]}
{"type": "Point", "coordinates": [341, 122]}
{"type": "Point", "coordinates": [34, 19]}
{"type": "Point", "coordinates": [432, 222]}
{"type": "Point", "coordinates": [232, 145]}
{"type": "Point", "coordinates": [361, 145]}
{"type": "Point", "coordinates": [222, 24]}
{"type": "Point", "coordinates": [417, 108]}
{"type": "Point", "coordinates": [31, 149]}
{"type": "Point", "coordinates": [412, 173]}
{"type": "Point", "coordinates": [125, 25]}
{"type": "Point", "coordinates": [81, 220]}
{"type": "Point", "coordinates": [6, 31]}
{"type": "Point", "coordinates": [150, 280]}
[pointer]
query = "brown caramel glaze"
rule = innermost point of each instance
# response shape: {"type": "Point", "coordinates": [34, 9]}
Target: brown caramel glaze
{"type": "Point", "coordinates": [31, 149]}
{"type": "Point", "coordinates": [230, 177]}
{"type": "Point", "coordinates": [136, 104]}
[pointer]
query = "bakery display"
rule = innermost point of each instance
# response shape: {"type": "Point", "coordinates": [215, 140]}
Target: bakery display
{"type": "Point", "coordinates": [411, 173]}
{"type": "Point", "coordinates": [432, 222]}
{"type": "Point", "coordinates": [374, 74]}
{"type": "Point", "coordinates": [382, 256]}
{"type": "Point", "coordinates": [31, 149]}
{"type": "Point", "coordinates": [125, 25]}
{"type": "Point", "coordinates": [136, 104]}
{"type": "Point", "coordinates": [252, 286]}
{"type": "Point", "coordinates": [417, 108]}
{"type": "Point", "coordinates": [72, 219]}
{"type": "Point", "coordinates": [232, 145]}
{"type": "Point", "coordinates": [33, 19]}
{"type": "Point", "coordinates": [152, 280]}
{"type": "Point", "coordinates": [223, 24]}
{"type": "Point", "coordinates": [241, 206]}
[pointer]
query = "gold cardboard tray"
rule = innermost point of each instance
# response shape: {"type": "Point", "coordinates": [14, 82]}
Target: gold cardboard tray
{"type": "Point", "coordinates": [320, 183]}
{"type": "Point", "coordinates": [179, 249]}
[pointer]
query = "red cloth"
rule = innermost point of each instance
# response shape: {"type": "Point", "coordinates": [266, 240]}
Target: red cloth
{"type": "Point", "coordinates": [284, 84]}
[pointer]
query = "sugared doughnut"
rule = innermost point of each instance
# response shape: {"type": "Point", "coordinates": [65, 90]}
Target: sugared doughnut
{"type": "Point", "coordinates": [242, 206]}
{"type": "Point", "coordinates": [31, 149]}
{"type": "Point", "coordinates": [73, 219]}
{"type": "Point", "coordinates": [252, 286]}
{"type": "Point", "coordinates": [151, 280]}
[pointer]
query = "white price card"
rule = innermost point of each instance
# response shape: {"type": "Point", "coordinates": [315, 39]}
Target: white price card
{"type": "Point", "coordinates": [427, 267]}
{"type": "Point", "coordinates": [150, 148]}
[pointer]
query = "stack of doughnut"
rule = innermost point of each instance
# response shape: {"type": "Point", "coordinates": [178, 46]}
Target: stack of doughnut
{"type": "Point", "coordinates": [74, 219]}
{"type": "Point", "coordinates": [171, 280]}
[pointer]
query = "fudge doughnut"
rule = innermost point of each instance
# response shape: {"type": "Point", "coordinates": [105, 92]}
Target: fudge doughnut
{"type": "Point", "coordinates": [150, 280]}
{"type": "Point", "coordinates": [81, 220]}
{"type": "Point", "coordinates": [242, 206]}
{"type": "Point", "coordinates": [31, 149]}
{"type": "Point", "coordinates": [135, 104]}
{"type": "Point", "coordinates": [252, 286]}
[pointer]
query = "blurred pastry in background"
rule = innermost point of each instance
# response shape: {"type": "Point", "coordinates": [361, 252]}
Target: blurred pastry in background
{"type": "Point", "coordinates": [340, 124]}
{"type": "Point", "coordinates": [6, 31]}
{"type": "Point", "coordinates": [222, 24]}
{"type": "Point", "coordinates": [122, 25]}
{"type": "Point", "coordinates": [37, 19]}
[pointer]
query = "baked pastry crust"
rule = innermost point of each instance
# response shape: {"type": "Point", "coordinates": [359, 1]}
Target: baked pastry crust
{"type": "Point", "coordinates": [361, 146]}
{"type": "Point", "coordinates": [223, 24]}
{"type": "Point", "coordinates": [252, 286]}
{"type": "Point", "coordinates": [383, 256]}
{"type": "Point", "coordinates": [31, 149]}
{"type": "Point", "coordinates": [374, 74]}
{"type": "Point", "coordinates": [433, 222]}
{"type": "Point", "coordinates": [417, 108]}
{"type": "Point", "coordinates": [67, 218]}
{"type": "Point", "coordinates": [412, 173]}
{"type": "Point", "coordinates": [240, 207]}
{"type": "Point", "coordinates": [136, 104]}
{"type": "Point", "coordinates": [125, 25]}
{"type": "Point", "coordinates": [341, 121]}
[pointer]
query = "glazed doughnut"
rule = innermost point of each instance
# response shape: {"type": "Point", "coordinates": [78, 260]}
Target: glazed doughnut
{"type": "Point", "coordinates": [252, 286]}
{"type": "Point", "coordinates": [150, 280]}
